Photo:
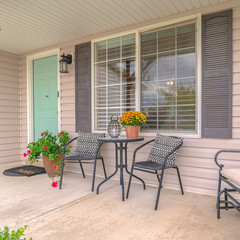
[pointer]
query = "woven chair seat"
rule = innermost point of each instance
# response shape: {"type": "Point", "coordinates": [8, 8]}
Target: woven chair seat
{"type": "Point", "coordinates": [81, 157]}
{"type": "Point", "coordinates": [150, 165]}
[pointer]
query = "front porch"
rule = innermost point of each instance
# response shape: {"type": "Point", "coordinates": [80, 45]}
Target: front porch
{"type": "Point", "coordinates": [137, 55]}
{"type": "Point", "coordinates": [77, 213]}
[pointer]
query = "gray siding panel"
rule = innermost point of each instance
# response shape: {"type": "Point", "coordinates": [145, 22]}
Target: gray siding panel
{"type": "Point", "coordinates": [217, 75]}
{"type": "Point", "coordinates": [83, 87]}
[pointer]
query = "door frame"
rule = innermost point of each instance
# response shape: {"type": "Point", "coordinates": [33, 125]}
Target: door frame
{"type": "Point", "coordinates": [30, 113]}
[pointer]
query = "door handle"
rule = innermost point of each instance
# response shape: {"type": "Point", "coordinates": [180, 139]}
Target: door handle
{"type": "Point", "coordinates": [46, 95]}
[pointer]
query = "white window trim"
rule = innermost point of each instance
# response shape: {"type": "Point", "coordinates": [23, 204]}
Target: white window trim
{"type": "Point", "coordinates": [30, 120]}
{"type": "Point", "coordinates": [138, 31]}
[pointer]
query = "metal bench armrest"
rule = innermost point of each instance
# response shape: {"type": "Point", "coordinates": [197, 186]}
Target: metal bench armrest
{"type": "Point", "coordinates": [221, 151]}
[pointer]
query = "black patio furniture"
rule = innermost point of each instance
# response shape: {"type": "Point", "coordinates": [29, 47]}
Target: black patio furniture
{"type": "Point", "coordinates": [231, 178]}
{"type": "Point", "coordinates": [121, 145]}
{"type": "Point", "coordinates": [162, 156]}
{"type": "Point", "coordinates": [87, 150]}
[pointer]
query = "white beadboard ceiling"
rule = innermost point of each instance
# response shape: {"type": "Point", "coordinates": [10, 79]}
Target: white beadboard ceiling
{"type": "Point", "coordinates": [26, 25]}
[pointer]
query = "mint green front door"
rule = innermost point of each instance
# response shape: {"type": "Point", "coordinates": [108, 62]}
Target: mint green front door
{"type": "Point", "coordinates": [45, 95]}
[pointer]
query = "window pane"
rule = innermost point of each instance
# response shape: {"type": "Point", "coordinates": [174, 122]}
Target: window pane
{"type": "Point", "coordinates": [168, 82]}
{"type": "Point", "coordinates": [149, 68]}
{"type": "Point", "coordinates": [186, 117]}
{"type": "Point", "coordinates": [100, 51]}
{"type": "Point", "coordinates": [113, 72]}
{"type": "Point", "coordinates": [149, 43]}
{"type": "Point", "coordinates": [113, 49]}
{"type": "Point", "coordinates": [114, 79]}
{"type": "Point", "coordinates": [101, 96]}
{"type": "Point", "coordinates": [100, 74]}
{"type": "Point", "coordinates": [114, 97]}
{"type": "Point", "coordinates": [128, 70]}
{"type": "Point", "coordinates": [186, 91]}
{"type": "Point", "coordinates": [128, 46]}
{"type": "Point", "coordinates": [101, 123]}
{"type": "Point", "coordinates": [166, 117]}
{"type": "Point", "coordinates": [186, 36]}
{"type": "Point", "coordinates": [166, 92]}
{"type": "Point", "coordinates": [151, 123]}
{"type": "Point", "coordinates": [166, 40]}
{"type": "Point", "coordinates": [149, 94]}
{"type": "Point", "coordinates": [166, 65]}
{"type": "Point", "coordinates": [128, 95]}
{"type": "Point", "coordinates": [186, 63]}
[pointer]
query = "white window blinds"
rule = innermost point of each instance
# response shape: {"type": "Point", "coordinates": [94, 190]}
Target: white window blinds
{"type": "Point", "coordinates": [168, 81]}
{"type": "Point", "coordinates": [114, 78]}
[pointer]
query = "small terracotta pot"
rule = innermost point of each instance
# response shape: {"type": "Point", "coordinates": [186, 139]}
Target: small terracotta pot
{"type": "Point", "coordinates": [49, 165]}
{"type": "Point", "coordinates": [132, 131]}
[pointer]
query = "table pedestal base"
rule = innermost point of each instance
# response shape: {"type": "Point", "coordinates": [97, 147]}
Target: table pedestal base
{"type": "Point", "coordinates": [120, 166]}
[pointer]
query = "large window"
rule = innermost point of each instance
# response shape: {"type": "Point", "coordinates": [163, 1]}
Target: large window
{"type": "Point", "coordinates": [168, 82]}
{"type": "Point", "coordinates": [167, 79]}
{"type": "Point", "coordinates": [114, 78]}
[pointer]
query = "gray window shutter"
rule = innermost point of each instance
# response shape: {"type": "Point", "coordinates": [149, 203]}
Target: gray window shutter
{"type": "Point", "coordinates": [83, 87]}
{"type": "Point", "coordinates": [217, 75]}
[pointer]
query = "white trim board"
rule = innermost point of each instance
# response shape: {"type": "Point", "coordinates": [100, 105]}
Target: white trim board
{"type": "Point", "coordinates": [30, 59]}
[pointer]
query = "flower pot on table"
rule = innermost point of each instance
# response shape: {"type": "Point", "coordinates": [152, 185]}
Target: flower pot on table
{"type": "Point", "coordinates": [132, 131]}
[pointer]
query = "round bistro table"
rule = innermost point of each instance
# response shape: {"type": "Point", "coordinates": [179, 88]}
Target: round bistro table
{"type": "Point", "coordinates": [121, 146]}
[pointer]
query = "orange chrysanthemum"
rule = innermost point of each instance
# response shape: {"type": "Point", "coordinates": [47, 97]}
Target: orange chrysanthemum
{"type": "Point", "coordinates": [132, 118]}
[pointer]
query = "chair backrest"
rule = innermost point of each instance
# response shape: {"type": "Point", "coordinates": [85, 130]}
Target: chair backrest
{"type": "Point", "coordinates": [87, 144]}
{"type": "Point", "coordinates": [163, 145]}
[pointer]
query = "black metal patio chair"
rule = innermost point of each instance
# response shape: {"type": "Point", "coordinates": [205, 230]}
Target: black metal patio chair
{"type": "Point", "coordinates": [87, 150]}
{"type": "Point", "coordinates": [231, 178]}
{"type": "Point", "coordinates": [162, 156]}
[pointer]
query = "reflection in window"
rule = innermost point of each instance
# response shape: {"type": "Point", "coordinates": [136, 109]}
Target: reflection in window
{"type": "Point", "coordinates": [168, 82]}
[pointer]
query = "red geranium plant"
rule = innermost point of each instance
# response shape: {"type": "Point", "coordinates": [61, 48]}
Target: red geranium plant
{"type": "Point", "coordinates": [49, 145]}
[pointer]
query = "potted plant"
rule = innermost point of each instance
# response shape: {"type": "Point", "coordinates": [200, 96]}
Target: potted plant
{"type": "Point", "coordinates": [51, 148]}
{"type": "Point", "coordinates": [132, 120]}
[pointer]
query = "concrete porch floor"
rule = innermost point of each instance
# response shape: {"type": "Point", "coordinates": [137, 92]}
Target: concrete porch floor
{"type": "Point", "coordinates": [77, 213]}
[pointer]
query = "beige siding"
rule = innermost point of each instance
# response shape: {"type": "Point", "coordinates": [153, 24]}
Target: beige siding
{"type": "Point", "coordinates": [23, 103]}
{"type": "Point", "coordinates": [9, 107]}
{"type": "Point", "coordinates": [196, 158]}
{"type": "Point", "coordinates": [68, 95]}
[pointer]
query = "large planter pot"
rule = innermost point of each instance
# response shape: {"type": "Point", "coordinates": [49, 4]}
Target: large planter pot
{"type": "Point", "coordinates": [49, 166]}
{"type": "Point", "coordinates": [132, 131]}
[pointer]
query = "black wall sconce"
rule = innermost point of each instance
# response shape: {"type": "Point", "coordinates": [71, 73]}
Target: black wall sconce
{"type": "Point", "coordinates": [63, 63]}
